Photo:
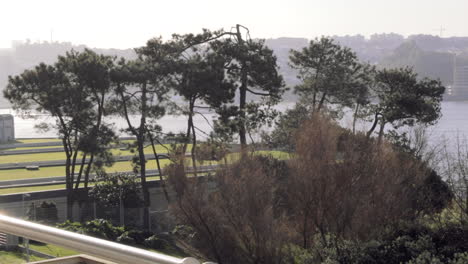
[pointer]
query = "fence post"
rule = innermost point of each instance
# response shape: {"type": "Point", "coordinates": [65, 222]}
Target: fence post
{"type": "Point", "coordinates": [121, 209]}
{"type": "Point", "coordinates": [94, 209]}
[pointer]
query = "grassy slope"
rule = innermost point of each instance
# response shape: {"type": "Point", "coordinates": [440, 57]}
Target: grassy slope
{"type": "Point", "coordinates": [60, 170]}
{"type": "Point", "coordinates": [28, 148]}
{"type": "Point", "coordinates": [53, 250]}
{"type": "Point", "coordinates": [119, 166]}
{"type": "Point", "coordinates": [37, 140]}
{"type": "Point", "coordinates": [15, 257]}
{"type": "Point", "coordinates": [61, 155]}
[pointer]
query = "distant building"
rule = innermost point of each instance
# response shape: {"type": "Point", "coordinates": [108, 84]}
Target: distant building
{"type": "Point", "coordinates": [460, 83]}
{"type": "Point", "coordinates": [7, 128]}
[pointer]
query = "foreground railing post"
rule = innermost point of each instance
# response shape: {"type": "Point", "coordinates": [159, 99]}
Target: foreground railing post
{"type": "Point", "coordinates": [85, 244]}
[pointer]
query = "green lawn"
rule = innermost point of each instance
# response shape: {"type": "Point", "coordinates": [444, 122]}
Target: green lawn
{"type": "Point", "coordinates": [28, 148]}
{"type": "Point", "coordinates": [61, 155]}
{"type": "Point", "coordinates": [43, 172]}
{"type": "Point", "coordinates": [117, 167]}
{"type": "Point", "coordinates": [53, 250]}
{"type": "Point", "coordinates": [26, 174]}
{"type": "Point", "coordinates": [15, 257]}
{"type": "Point", "coordinates": [37, 140]}
{"type": "Point", "coordinates": [31, 189]}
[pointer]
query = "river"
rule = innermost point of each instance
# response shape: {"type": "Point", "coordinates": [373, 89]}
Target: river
{"type": "Point", "coordinates": [453, 123]}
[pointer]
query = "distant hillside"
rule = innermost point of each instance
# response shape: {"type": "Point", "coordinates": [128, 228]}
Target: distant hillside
{"type": "Point", "coordinates": [437, 63]}
{"type": "Point", "coordinates": [26, 55]}
{"type": "Point", "coordinates": [431, 56]}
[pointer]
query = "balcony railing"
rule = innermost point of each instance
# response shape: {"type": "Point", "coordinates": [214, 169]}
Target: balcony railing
{"type": "Point", "coordinates": [85, 244]}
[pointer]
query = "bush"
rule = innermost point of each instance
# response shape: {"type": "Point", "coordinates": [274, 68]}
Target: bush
{"type": "Point", "coordinates": [45, 213]}
{"type": "Point", "coordinates": [408, 243]}
{"type": "Point", "coordinates": [99, 228]}
{"type": "Point", "coordinates": [156, 242]}
{"type": "Point", "coordinates": [126, 239]}
{"type": "Point", "coordinates": [139, 236]}
{"type": "Point", "coordinates": [184, 231]}
{"type": "Point", "coordinates": [109, 188]}
{"type": "Point", "coordinates": [103, 228]}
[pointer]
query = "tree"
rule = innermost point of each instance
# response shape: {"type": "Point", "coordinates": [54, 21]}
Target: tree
{"type": "Point", "coordinates": [92, 72]}
{"type": "Point", "coordinates": [252, 66]}
{"type": "Point", "coordinates": [110, 189]}
{"type": "Point", "coordinates": [240, 221]}
{"type": "Point", "coordinates": [286, 126]}
{"type": "Point", "coordinates": [64, 90]}
{"type": "Point", "coordinates": [141, 88]}
{"type": "Point", "coordinates": [347, 185]}
{"type": "Point", "coordinates": [328, 73]}
{"type": "Point", "coordinates": [202, 83]}
{"type": "Point", "coordinates": [404, 100]}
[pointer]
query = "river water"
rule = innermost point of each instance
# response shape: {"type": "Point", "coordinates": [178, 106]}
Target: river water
{"type": "Point", "coordinates": [453, 123]}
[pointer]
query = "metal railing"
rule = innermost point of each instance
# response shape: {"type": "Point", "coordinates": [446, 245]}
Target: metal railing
{"type": "Point", "coordinates": [85, 244]}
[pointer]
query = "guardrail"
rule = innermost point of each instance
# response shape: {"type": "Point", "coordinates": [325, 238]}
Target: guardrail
{"type": "Point", "coordinates": [89, 245]}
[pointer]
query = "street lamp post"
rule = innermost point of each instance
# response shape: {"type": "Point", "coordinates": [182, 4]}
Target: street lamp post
{"type": "Point", "coordinates": [26, 240]}
{"type": "Point", "coordinates": [121, 206]}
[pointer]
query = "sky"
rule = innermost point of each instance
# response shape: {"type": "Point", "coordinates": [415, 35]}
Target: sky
{"type": "Point", "coordinates": [128, 24]}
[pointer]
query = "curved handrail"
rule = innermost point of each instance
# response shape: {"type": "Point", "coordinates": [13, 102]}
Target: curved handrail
{"type": "Point", "coordinates": [89, 245]}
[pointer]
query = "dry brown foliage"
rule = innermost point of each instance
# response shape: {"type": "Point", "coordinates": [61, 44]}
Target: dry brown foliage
{"type": "Point", "coordinates": [234, 213]}
{"type": "Point", "coordinates": [336, 182]}
{"type": "Point", "coordinates": [346, 184]}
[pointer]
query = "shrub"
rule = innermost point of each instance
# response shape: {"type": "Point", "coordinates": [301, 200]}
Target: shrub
{"type": "Point", "coordinates": [156, 242]}
{"type": "Point", "coordinates": [99, 228]}
{"type": "Point", "coordinates": [126, 239]}
{"type": "Point", "coordinates": [109, 188]}
{"type": "Point", "coordinates": [139, 236]}
{"type": "Point", "coordinates": [45, 213]}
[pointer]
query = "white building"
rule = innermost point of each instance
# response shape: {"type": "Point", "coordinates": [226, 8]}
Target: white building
{"type": "Point", "coordinates": [460, 83]}
{"type": "Point", "coordinates": [7, 128]}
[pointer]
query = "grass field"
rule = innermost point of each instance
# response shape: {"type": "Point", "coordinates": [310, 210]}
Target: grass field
{"type": "Point", "coordinates": [28, 148]}
{"type": "Point", "coordinates": [15, 257]}
{"type": "Point", "coordinates": [117, 167]}
{"type": "Point", "coordinates": [52, 250]}
{"type": "Point", "coordinates": [37, 140]}
{"type": "Point", "coordinates": [61, 155]}
{"type": "Point", "coordinates": [43, 172]}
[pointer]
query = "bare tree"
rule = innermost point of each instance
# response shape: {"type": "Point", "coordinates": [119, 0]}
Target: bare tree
{"type": "Point", "coordinates": [455, 171]}
{"type": "Point", "coordinates": [237, 221]}
{"type": "Point", "coordinates": [347, 185]}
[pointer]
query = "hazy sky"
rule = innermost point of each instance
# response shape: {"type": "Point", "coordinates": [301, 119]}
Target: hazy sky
{"type": "Point", "coordinates": [124, 24]}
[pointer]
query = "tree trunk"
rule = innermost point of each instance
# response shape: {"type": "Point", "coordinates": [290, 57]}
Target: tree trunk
{"type": "Point", "coordinates": [381, 131]}
{"type": "Point", "coordinates": [78, 179]}
{"type": "Point", "coordinates": [355, 117]}
{"type": "Point", "coordinates": [158, 164]}
{"type": "Point", "coordinates": [141, 153]}
{"type": "Point", "coordinates": [145, 190]}
{"type": "Point", "coordinates": [88, 169]}
{"type": "Point", "coordinates": [194, 138]}
{"type": "Point", "coordinates": [322, 100]}
{"type": "Point", "coordinates": [376, 120]}
{"type": "Point", "coordinates": [243, 96]}
{"type": "Point", "coordinates": [68, 179]}
{"type": "Point", "coordinates": [242, 116]}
